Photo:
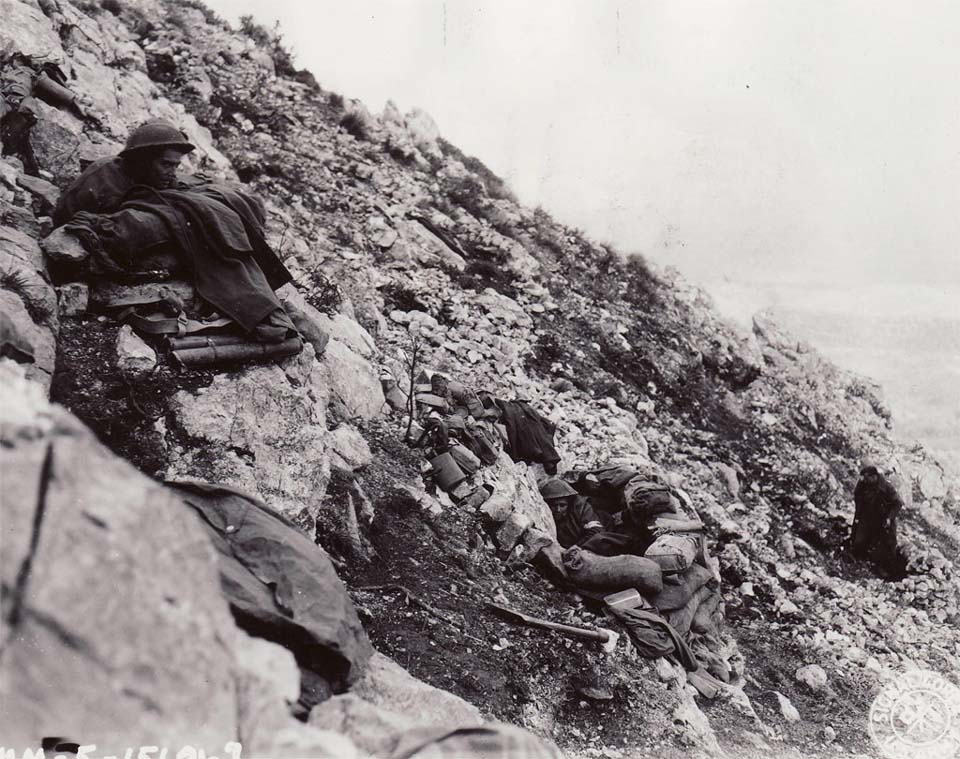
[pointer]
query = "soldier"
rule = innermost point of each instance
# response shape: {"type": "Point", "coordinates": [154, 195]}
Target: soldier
{"type": "Point", "coordinates": [134, 202]}
{"type": "Point", "coordinates": [151, 157]}
{"type": "Point", "coordinates": [874, 532]}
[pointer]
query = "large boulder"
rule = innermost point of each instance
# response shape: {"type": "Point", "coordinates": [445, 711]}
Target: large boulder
{"type": "Point", "coordinates": [25, 30]}
{"type": "Point", "coordinates": [55, 142]}
{"type": "Point", "coordinates": [113, 626]}
{"type": "Point", "coordinates": [353, 382]}
{"type": "Point", "coordinates": [262, 429]}
{"type": "Point", "coordinates": [388, 701]}
{"type": "Point", "coordinates": [28, 302]}
{"type": "Point", "coordinates": [516, 503]}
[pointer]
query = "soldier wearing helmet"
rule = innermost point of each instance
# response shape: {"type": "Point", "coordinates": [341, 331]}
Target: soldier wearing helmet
{"type": "Point", "coordinates": [150, 157]}
{"type": "Point", "coordinates": [133, 204]}
{"type": "Point", "coordinates": [575, 518]}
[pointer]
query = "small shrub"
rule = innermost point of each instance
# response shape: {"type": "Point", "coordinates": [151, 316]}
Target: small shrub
{"type": "Point", "coordinates": [272, 42]}
{"type": "Point", "coordinates": [91, 7]}
{"type": "Point", "coordinates": [257, 32]}
{"type": "Point", "coordinates": [323, 293]}
{"type": "Point", "coordinates": [179, 19]}
{"type": "Point", "coordinates": [468, 192]}
{"type": "Point", "coordinates": [305, 77]}
{"type": "Point", "coordinates": [19, 284]}
{"type": "Point", "coordinates": [495, 187]}
{"type": "Point", "coordinates": [335, 100]}
{"type": "Point", "coordinates": [355, 126]}
{"type": "Point", "coordinates": [113, 6]}
{"type": "Point", "coordinates": [209, 14]}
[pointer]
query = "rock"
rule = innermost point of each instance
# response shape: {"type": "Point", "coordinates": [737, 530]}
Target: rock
{"type": "Point", "coordinates": [272, 664]}
{"type": "Point", "coordinates": [813, 676]}
{"type": "Point", "coordinates": [73, 298]}
{"type": "Point", "coordinates": [829, 734]}
{"type": "Point", "coordinates": [511, 530]}
{"type": "Point", "coordinates": [771, 334]}
{"type": "Point", "coordinates": [931, 483]}
{"type": "Point", "coordinates": [497, 508]}
{"type": "Point", "coordinates": [388, 685]}
{"type": "Point", "coordinates": [387, 239]}
{"type": "Point", "coordinates": [55, 143]}
{"type": "Point", "coordinates": [787, 709]}
{"type": "Point", "coordinates": [9, 174]}
{"type": "Point", "coordinates": [730, 530]}
{"type": "Point", "coordinates": [19, 219]}
{"type": "Point", "coordinates": [40, 338]}
{"type": "Point", "coordinates": [134, 356]}
{"type": "Point", "coordinates": [353, 382]}
{"type": "Point", "coordinates": [517, 484]}
{"type": "Point", "coordinates": [348, 332]}
{"type": "Point", "coordinates": [348, 449]}
{"type": "Point", "coordinates": [789, 609]}
{"type": "Point", "coordinates": [151, 644]}
{"type": "Point", "coordinates": [297, 739]}
{"type": "Point", "coordinates": [503, 309]}
{"type": "Point", "coordinates": [27, 32]}
{"type": "Point", "coordinates": [424, 132]}
{"type": "Point", "coordinates": [259, 430]}
{"type": "Point", "coordinates": [422, 245]}
{"type": "Point", "coordinates": [268, 680]}
{"type": "Point", "coordinates": [15, 244]}
{"type": "Point", "coordinates": [728, 475]}
{"type": "Point", "coordinates": [63, 247]}
{"type": "Point", "coordinates": [372, 728]}
{"type": "Point", "coordinates": [47, 194]}
{"type": "Point", "coordinates": [695, 726]}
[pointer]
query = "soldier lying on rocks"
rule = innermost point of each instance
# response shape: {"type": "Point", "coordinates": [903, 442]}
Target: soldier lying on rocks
{"type": "Point", "coordinates": [626, 513]}
{"type": "Point", "coordinates": [134, 202]}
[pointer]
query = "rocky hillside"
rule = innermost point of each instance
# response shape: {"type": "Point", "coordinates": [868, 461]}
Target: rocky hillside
{"type": "Point", "coordinates": [409, 256]}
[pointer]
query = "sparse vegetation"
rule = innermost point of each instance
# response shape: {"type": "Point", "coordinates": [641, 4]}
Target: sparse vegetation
{"type": "Point", "coordinates": [272, 42]}
{"type": "Point", "coordinates": [494, 186]}
{"type": "Point", "coordinates": [19, 284]}
{"type": "Point", "coordinates": [354, 125]}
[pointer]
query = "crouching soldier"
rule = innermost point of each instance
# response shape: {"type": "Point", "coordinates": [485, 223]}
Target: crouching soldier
{"type": "Point", "coordinates": [577, 522]}
{"type": "Point", "coordinates": [874, 532]}
{"type": "Point", "coordinates": [134, 202]}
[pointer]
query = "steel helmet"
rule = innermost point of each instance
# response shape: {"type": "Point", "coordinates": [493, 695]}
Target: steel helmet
{"type": "Point", "coordinates": [556, 488]}
{"type": "Point", "coordinates": [156, 134]}
{"type": "Point", "coordinates": [868, 465]}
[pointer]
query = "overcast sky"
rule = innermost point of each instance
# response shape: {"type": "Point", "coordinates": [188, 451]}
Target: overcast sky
{"type": "Point", "coordinates": [767, 147]}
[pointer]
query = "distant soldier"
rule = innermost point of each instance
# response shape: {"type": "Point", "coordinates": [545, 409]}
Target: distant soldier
{"type": "Point", "coordinates": [874, 532]}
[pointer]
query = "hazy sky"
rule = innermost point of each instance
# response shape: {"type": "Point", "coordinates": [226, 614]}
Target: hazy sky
{"type": "Point", "coordinates": [777, 144]}
{"type": "Point", "coordinates": [800, 153]}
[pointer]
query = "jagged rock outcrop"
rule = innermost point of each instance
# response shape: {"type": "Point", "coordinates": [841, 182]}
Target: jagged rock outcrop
{"type": "Point", "coordinates": [153, 648]}
{"type": "Point", "coordinates": [263, 431]}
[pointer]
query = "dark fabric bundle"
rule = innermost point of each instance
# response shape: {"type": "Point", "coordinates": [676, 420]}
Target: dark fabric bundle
{"type": "Point", "coordinates": [280, 585]}
{"type": "Point", "coordinates": [612, 573]}
{"type": "Point", "coordinates": [676, 596]}
{"type": "Point", "coordinates": [529, 434]}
